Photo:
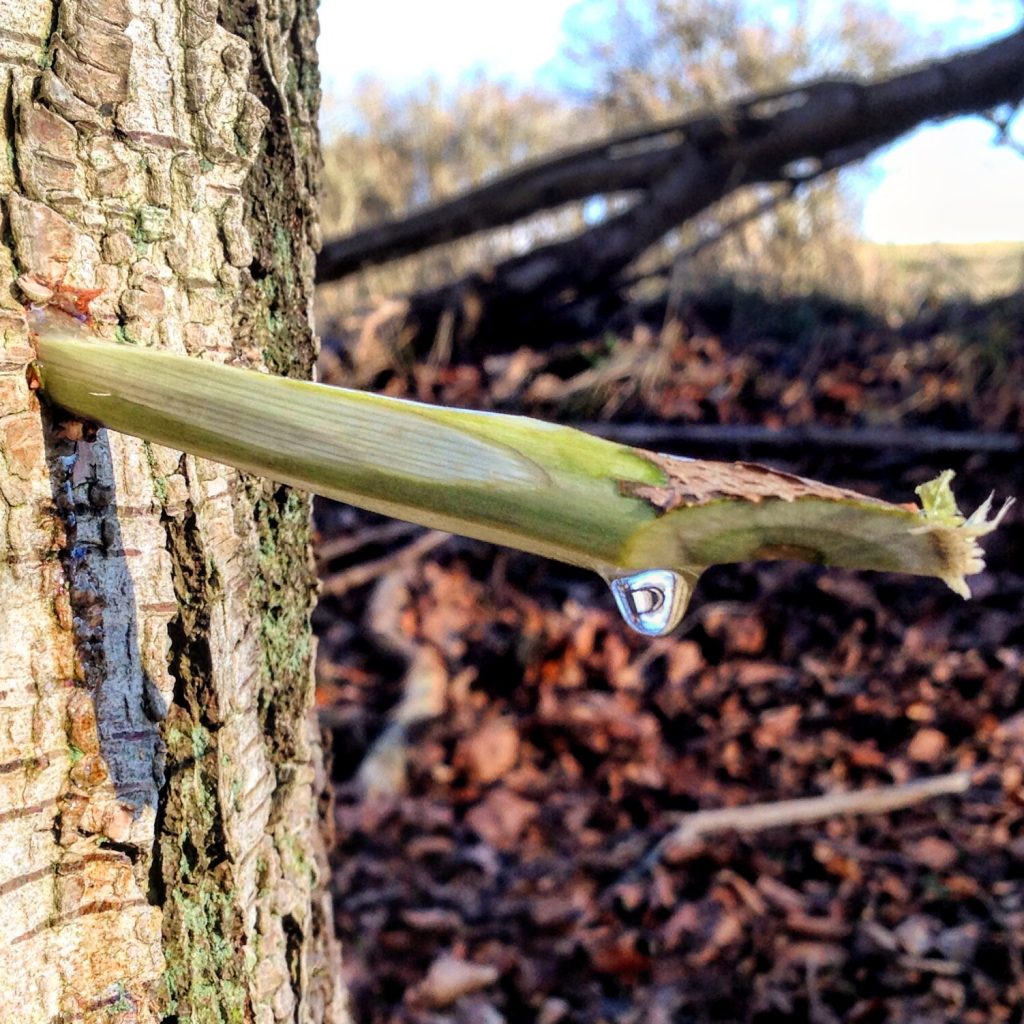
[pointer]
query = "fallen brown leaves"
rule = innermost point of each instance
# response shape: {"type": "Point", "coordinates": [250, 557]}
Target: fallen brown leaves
{"type": "Point", "coordinates": [507, 875]}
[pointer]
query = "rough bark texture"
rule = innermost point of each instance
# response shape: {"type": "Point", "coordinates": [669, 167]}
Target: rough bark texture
{"type": "Point", "coordinates": [160, 784]}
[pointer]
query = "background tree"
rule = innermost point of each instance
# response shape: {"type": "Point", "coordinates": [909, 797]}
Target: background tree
{"type": "Point", "coordinates": [160, 779]}
{"type": "Point", "coordinates": [396, 151]}
{"type": "Point", "coordinates": [757, 171]}
{"type": "Point", "coordinates": [652, 61]}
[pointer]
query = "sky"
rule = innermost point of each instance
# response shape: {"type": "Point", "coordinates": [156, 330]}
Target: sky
{"type": "Point", "coordinates": [942, 183]}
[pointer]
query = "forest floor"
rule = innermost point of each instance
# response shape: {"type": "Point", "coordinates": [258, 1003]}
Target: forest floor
{"type": "Point", "coordinates": [508, 756]}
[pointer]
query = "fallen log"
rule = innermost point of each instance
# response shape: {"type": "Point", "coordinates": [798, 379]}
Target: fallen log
{"type": "Point", "coordinates": [677, 171]}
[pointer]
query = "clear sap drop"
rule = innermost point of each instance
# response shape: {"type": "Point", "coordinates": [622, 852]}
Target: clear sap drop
{"type": "Point", "coordinates": [653, 601]}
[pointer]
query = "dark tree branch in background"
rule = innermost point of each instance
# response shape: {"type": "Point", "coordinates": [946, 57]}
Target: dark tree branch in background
{"type": "Point", "coordinates": [679, 170]}
{"type": "Point", "coordinates": [716, 436]}
{"type": "Point", "coordinates": [627, 162]}
{"type": "Point", "coordinates": [622, 164]}
{"type": "Point", "coordinates": [1003, 124]}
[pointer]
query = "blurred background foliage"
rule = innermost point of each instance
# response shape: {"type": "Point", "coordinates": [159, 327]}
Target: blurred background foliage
{"type": "Point", "coordinates": [629, 63]}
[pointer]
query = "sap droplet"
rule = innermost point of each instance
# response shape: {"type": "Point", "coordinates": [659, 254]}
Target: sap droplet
{"type": "Point", "coordinates": [653, 601]}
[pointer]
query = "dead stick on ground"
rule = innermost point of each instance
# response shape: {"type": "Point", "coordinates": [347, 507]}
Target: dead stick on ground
{"type": "Point", "coordinates": [918, 440]}
{"type": "Point", "coordinates": [758, 817]}
{"type": "Point", "coordinates": [338, 547]}
{"type": "Point", "coordinates": [366, 572]}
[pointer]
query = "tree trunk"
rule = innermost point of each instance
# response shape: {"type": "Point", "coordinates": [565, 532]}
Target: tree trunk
{"type": "Point", "coordinates": [161, 788]}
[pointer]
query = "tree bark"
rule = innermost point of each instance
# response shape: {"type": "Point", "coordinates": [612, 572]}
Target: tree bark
{"type": "Point", "coordinates": [161, 781]}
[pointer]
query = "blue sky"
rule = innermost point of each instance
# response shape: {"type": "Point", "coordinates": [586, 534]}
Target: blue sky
{"type": "Point", "coordinates": [942, 183]}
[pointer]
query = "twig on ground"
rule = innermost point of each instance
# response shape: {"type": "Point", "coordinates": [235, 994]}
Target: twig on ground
{"type": "Point", "coordinates": [338, 547]}
{"type": "Point", "coordinates": [424, 688]}
{"type": "Point", "coordinates": [758, 817]}
{"type": "Point", "coordinates": [882, 438]}
{"type": "Point", "coordinates": [359, 575]}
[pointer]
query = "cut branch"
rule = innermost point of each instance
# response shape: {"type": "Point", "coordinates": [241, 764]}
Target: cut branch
{"type": "Point", "coordinates": [643, 520]}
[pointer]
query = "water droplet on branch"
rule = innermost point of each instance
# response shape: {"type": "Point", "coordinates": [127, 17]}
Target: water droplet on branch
{"type": "Point", "coordinates": [653, 601]}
